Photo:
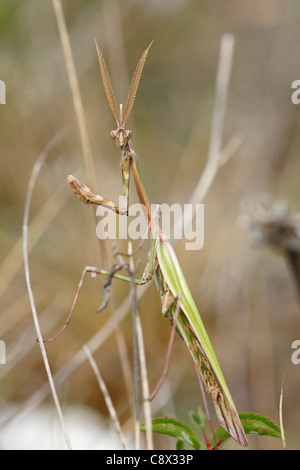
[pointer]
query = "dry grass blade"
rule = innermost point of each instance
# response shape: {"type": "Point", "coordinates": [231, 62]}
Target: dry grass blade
{"type": "Point", "coordinates": [280, 413]}
{"type": "Point", "coordinates": [13, 260]}
{"type": "Point", "coordinates": [85, 142]}
{"type": "Point", "coordinates": [106, 395]}
{"type": "Point", "coordinates": [215, 154]}
{"type": "Point", "coordinates": [145, 384]}
{"type": "Point", "coordinates": [34, 174]}
{"type": "Point", "coordinates": [140, 353]}
{"type": "Point", "coordinates": [135, 83]}
{"type": "Point", "coordinates": [35, 317]}
{"type": "Point", "coordinates": [108, 86]}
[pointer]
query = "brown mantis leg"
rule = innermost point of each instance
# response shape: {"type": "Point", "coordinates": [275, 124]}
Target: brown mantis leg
{"type": "Point", "coordinates": [170, 345]}
{"type": "Point", "coordinates": [87, 269]}
{"type": "Point", "coordinates": [205, 404]}
{"type": "Point", "coordinates": [94, 271]}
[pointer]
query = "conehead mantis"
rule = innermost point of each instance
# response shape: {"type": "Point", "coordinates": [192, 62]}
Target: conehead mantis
{"type": "Point", "coordinates": [163, 265]}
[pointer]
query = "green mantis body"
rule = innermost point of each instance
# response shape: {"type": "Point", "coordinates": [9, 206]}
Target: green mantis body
{"type": "Point", "coordinates": [164, 266]}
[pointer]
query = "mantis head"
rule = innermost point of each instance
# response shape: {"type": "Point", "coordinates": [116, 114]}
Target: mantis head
{"type": "Point", "coordinates": [121, 136]}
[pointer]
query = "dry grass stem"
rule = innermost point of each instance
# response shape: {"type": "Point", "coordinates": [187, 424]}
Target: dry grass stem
{"type": "Point", "coordinates": [84, 137]}
{"type": "Point", "coordinates": [12, 262]}
{"type": "Point", "coordinates": [35, 172]}
{"type": "Point", "coordinates": [216, 156]}
{"type": "Point", "coordinates": [39, 334]}
{"type": "Point", "coordinates": [108, 401]}
{"type": "Point", "coordinates": [140, 351]}
{"type": "Point", "coordinates": [280, 413]}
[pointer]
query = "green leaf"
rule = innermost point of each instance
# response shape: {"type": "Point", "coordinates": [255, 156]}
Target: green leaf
{"type": "Point", "coordinates": [179, 445]}
{"type": "Point", "coordinates": [253, 424]}
{"type": "Point", "coordinates": [174, 428]}
{"type": "Point", "coordinates": [199, 419]}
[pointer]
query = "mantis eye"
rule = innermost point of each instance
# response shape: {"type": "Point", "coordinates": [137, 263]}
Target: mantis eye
{"type": "Point", "coordinates": [113, 134]}
{"type": "Point", "coordinates": [128, 134]}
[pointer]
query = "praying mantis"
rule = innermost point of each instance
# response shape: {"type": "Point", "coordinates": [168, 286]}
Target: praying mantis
{"type": "Point", "coordinates": [163, 264]}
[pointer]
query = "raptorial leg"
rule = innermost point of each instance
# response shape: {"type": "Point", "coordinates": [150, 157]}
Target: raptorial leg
{"type": "Point", "coordinates": [89, 196]}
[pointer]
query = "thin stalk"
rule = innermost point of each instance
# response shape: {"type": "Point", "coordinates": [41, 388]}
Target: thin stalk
{"type": "Point", "coordinates": [106, 396]}
{"type": "Point", "coordinates": [280, 414]}
{"type": "Point", "coordinates": [145, 385]}
{"type": "Point", "coordinates": [136, 366]}
{"type": "Point", "coordinates": [37, 326]}
{"type": "Point", "coordinates": [140, 351]}
{"type": "Point", "coordinates": [77, 101]}
{"type": "Point", "coordinates": [35, 172]}
{"type": "Point", "coordinates": [216, 156]}
{"type": "Point", "coordinates": [12, 262]}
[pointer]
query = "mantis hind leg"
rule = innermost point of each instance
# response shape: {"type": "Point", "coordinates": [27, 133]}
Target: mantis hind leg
{"type": "Point", "coordinates": [173, 317]}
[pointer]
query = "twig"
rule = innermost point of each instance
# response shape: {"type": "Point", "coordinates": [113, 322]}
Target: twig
{"type": "Point", "coordinates": [222, 82]}
{"type": "Point", "coordinates": [106, 396]}
{"type": "Point", "coordinates": [216, 156]}
{"type": "Point", "coordinates": [272, 223]}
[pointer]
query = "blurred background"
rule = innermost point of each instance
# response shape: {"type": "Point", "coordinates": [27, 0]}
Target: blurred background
{"type": "Point", "coordinates": [245, 294]}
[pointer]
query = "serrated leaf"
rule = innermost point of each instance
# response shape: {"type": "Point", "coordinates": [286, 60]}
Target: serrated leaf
{"type": "Point", "coordinates": [258, 424]}
{"type": "Point", "coordinates": [175, 428]}
{"type": "Point", "coordinates": [253, 424]}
